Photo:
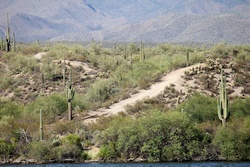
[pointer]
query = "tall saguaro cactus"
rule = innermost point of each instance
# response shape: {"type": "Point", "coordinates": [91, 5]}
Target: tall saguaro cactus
{"type": "Point", "coordinates": [70, 93]}
{"type": "Point", "coordinates": [125, 52]}
{"type": "Point", "coordinates": [41, 125]}
{"type": "Point", "coordinates": [14, 42]}
{"type": "Point", "coordinates": [64, 69]}
{"type": "Point", "coordinates": [2, 43]}
{"type": "Point", "coordinates": [187, 57]}
{"type": "Point", "coordinates": [223, 109]}
{"type": "Point", "coordinates": [142, 55]}
{"type": "Point", "coordinates": [43, 84]}
{"type": "Point", "coordinates": [8, 35]}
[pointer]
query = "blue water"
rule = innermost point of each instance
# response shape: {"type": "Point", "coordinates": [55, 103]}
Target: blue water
{"type": "Point", "coordinates": [184, 164]}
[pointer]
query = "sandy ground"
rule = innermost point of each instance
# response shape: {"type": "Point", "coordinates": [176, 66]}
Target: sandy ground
{"type": "Point", "coordinates": [173, 77]}
{"type": "Point", "coordinates": [39, 55]}
{"type": "Point", "coordinates": [72, 63]}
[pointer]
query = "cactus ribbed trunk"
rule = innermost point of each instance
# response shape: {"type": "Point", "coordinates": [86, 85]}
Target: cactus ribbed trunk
{"type": "Point", "coordinates": [125, 51]}
{"type": "Point", "coordinates": [223, 109]}
{"type": "Point", "coordinates": [187, 57]}
{"type": "Point", "coordinates": [41, 125]}
{"type": "Point", "coordinates": [70, 110]}
{"type": "Point", "coordinates": [2, 44]}
{"type": "Point", "coordinates": [8, 47]}
{"type": "Point", "coordinates": [14, 42]}
{"type": "Point", "coordinates": [64, 70]}
{"type": "Point", "coordinates": [142, 55]}
{"type": "Point", "coordinates": [70, 96]}
{"type": "Point", "coordinates": [43, 84]}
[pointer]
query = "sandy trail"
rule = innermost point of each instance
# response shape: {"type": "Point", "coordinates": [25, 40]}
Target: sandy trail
{"type": "Point", "coordinates": [72, 63]}
{"type": "Point", "coordinates": [173, 77]}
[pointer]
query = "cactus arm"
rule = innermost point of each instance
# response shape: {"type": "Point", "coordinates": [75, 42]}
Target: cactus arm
{"type": "Point", "coordinates": [219, 109]}
{"type": "Point", "coordinates": [226, 111]}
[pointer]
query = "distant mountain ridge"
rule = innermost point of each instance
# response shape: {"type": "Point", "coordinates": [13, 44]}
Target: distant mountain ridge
{"type": "Point", "coordinates": [128, 20]}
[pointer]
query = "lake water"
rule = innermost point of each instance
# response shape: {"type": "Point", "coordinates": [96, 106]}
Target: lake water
{"type": "Point", "coordinates": [185, 164]}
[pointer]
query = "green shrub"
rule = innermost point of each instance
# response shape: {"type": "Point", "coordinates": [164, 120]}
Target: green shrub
{"type": "Point", "coordinates": [144, 73]}
{"type": "Point", "coordinates": [20, 63]}
{"type": "Point", "coordinates": [221, 49]}
{"type": "Point", "coordinates": [30, 49]}
{"type": "Point", "coordinates": [201, 108]}
{"type": "Point", "coordinates": [6, 150]}
{"type": "Point", "coordinates": [240, 108]}
{"type": "Point", "coordinates": [6, 81]}
{"type": "Point", "coordinates": [232, 142]}
{"type": "Point", "coordinates": [108, 152]}
{"type": "Point", "coordinates": [68, 151]}
{"type": "Point", "coordinates": [157, 136]}
{"type": "Point", "coordinates": [72, 139]}
{"type": "Point", "coordinates": [52, 106]}
{"type": "Point", "coordinates": [100, 91]}
{"type": "Point", "coordinates": [50, 69]}
{"type": "Point", "coordinates": [41, 151]}
{"type": "Point", "coordinates": [9, 108]}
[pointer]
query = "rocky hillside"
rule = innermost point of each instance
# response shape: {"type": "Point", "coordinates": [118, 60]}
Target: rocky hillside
{"type": "Point", "coordinates": [149, 20]}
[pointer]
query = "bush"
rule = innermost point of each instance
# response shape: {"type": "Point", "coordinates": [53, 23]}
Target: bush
{"type": "Point", "coordinates": [157, 137]}
{"type": "Point", "coordinates": [67, 151]}
{"type": "Point", "coordinates": [20, 63]}
{"type": "Point", "coordinates": [9, 108]}
{"type": "Point", "coordinates": [6, 150]}
{"type": "Point", "coordinates": [30, 49]}
{"type": "Point", "coordinates": [221, 49]}
{"type": "Point", "coordinates": [41, 151]}
{"type": "Point", "coordinates": [200, 107]}
{"type": "Point", "coordinates": [100, 91]}
{"type": "Point", "coordinates": [240, 108]}
{"type": "Point", "coordinates": [108, 152]}
{"type": "Point", "coordinates": [6, 81]}
{"type": "Point", "coordinates": [72, 139]}
{"type": "Point", "coordinates": [144, 73]}
{"type": "Point", "coordinates": [52, 106]}
{"type": "Point", "coordinates": [232, 142]}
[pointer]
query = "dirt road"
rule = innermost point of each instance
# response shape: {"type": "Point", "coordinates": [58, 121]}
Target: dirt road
{"type": "Point", "coordinates": [173, 77]}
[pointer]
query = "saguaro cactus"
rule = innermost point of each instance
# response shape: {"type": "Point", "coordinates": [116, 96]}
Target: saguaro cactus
{"type": "Point", "coordinates": [125, 51]}
{"type": "Point", "coordinates": [187, 57]}
{"type": "Point", "coordinates": [41, 125]}
{"type": "Point", "coordinates": [14, 42]}
{"type": "Point", "coordinates": [43, 83]}
{"type": "Point", "coordinates": [223, 109]}
{"type": "Point", "coordinates": [8, 35]}
{"type": "Point", "coordinates": [64, 69]}
{"type": "Point", "coordinates": [2, 43]}
{"type": "Point", "coordinates": [70, 93]}
{"type": "Point", "coordinates": [142, 55]}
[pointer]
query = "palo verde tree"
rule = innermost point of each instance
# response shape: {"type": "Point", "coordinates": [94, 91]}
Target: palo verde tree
{"type": "Point", "coordinates": [223, 109]}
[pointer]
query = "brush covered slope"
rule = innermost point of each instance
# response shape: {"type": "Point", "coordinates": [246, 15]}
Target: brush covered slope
{"type": "Point", "coordinates": [35, 77]}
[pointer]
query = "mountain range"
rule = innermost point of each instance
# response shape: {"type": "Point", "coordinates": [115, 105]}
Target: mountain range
{"type": "Point", "coordinates": [203, 21]}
